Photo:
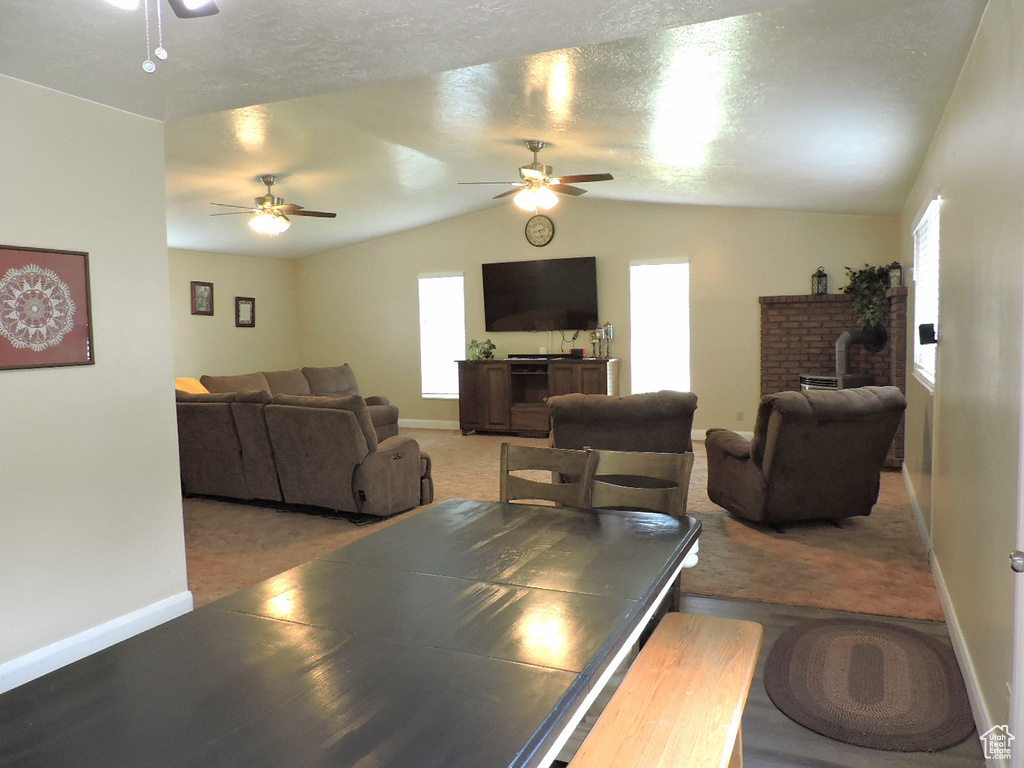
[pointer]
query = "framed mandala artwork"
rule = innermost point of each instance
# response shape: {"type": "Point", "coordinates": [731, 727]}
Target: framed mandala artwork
{"type": "Point", "coordinates": [45, 318]}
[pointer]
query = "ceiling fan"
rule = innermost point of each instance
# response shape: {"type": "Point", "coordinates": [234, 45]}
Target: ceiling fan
{"type": "Point", "coordinates": [270, 214]}
{"type": "Point", "coordinates": [537, 188]}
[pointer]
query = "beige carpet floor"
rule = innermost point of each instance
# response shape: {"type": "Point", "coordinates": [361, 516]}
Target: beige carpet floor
{"type": "Point", "coordinates": [876, 564]}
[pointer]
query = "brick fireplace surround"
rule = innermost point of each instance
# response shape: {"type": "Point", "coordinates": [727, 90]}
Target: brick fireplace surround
{"type": "Point", "coordinates": [798, 336]}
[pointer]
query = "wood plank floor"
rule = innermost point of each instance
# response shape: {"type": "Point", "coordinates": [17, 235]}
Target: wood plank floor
{"type": "Point", "coordinates": [772, 740]}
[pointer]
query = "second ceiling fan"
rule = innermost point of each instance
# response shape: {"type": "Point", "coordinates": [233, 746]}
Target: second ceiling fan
{"type": "Point", "coordinates": [537, 188]}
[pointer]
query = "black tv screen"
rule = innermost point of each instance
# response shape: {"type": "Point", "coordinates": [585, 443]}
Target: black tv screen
{"type": "Point", "coordinates": [541, 295]}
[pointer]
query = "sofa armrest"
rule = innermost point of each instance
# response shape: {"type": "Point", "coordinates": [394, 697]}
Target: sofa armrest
{"type": "Point", "coordinates": [388, 479]}
{"type": "Point", "coordinates": [729, 442]}
{"type": "Point", "coordinates": [377, 400]}
{"type": "Point", "coordinates": [735, 482]}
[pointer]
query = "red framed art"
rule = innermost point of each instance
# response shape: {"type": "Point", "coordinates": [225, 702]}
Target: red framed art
{"type": "Point", "coordinates": [45, 317]}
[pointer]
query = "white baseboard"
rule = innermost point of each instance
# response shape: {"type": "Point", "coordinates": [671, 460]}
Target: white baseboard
{"type": "Point", "coordinates": [982, 716]}
{"type": "Point", "coordinates": [38, 663]}
{"type": "Point", "coordinates": [922, 529]}
{"type": "Point", "coordinates": [428, 424]}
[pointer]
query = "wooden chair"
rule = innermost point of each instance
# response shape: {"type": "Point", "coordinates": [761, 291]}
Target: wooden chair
{"type": "Point", "coordinates": [653, 482]}
{"type": "Point", "coordinates": [577, 464]}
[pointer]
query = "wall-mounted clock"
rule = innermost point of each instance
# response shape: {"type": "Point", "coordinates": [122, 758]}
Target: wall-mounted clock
{"type": "Point", "coordinates": [540, 230]}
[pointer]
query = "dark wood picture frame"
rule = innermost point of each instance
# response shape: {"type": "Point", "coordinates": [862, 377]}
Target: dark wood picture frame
{"type": "Point", "coordinates": [202, 297]}
{"type": "Point", "coordinates": [245, 312]}
{"type": "Point", "coordinates": [47, 316]}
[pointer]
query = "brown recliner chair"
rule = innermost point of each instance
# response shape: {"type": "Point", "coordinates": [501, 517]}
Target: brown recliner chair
{"type": "Point", "coordinates": [328, 455]}
{"type": "Point", "coordinates": [655, 422]}
{"type": "Point", "coordinates": [814, 455]}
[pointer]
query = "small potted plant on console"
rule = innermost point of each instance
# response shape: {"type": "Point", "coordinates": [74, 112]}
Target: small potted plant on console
{"type": "Point", "coordinates": [481, 350]}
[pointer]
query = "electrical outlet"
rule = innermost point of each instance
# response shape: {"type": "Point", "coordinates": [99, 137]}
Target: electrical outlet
{"type": "Point", "coordinates": [739, 415]}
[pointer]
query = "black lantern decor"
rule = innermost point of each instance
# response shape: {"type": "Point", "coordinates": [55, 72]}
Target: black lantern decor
{"type": "Point", "coordinates": [895, 275]}
{"type": "Point", "coordinates": [819, 281]}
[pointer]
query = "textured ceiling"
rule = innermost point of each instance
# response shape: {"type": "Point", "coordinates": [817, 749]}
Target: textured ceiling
{"type": "Point", "coordinates": [378, 110]}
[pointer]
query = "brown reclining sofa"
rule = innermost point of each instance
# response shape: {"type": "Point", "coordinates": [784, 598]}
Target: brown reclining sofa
{"type": "Point", "coordinates": [310, 448]}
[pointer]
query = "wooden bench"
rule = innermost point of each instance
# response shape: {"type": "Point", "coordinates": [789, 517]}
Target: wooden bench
{"type": "Point", "coordinates": [681, 701]}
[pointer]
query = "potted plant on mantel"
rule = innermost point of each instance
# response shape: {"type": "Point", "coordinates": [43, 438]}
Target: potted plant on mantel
{"type": "Point", "coordinates": [868, 287]}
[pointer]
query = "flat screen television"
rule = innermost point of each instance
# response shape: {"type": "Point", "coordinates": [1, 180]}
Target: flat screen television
{"type": "Point", "coordinates": [541, 295]}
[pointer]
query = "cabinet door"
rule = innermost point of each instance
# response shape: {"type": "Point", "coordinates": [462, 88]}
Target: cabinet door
{"type": "Point", "coordinates": [471, 396]}
{"type": "Point", "coordinates": [497, 414]}
{"type": "Point", "coordinates": [561, 380]}
{"type": "Point", "coordinates": [593, 378]}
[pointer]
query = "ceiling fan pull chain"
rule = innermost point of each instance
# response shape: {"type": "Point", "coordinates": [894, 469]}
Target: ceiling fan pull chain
{"type": "Point", "coordinates": [160, 52]}
{"type": "Point", "coordinates": [148, 64]}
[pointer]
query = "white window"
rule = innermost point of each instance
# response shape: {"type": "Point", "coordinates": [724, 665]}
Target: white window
{"type": "Point", "coordinates": [442, 334]}
{"type": "Point", "coordinates": [926, 288]}
{"type": "Point", "coordinates": [659, 317]}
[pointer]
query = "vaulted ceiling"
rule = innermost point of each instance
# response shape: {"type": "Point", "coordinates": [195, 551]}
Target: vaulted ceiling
{"type": "Point", "coordinates": [378, 110]}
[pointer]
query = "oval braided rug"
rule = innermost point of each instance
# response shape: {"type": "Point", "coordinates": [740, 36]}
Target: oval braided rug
{"type": "Point", "coordinates": [870, 684]}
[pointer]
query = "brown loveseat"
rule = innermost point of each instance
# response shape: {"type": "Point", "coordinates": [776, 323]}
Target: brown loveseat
{"type": "Point", "coordinates": [814, 454]}
{"type": "Point", "coordinates": [333, 381]}
{"type": "Point", "coordinates": [318, 451]}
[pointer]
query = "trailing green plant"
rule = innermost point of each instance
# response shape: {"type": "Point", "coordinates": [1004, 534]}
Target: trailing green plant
{"type": "Point", "coordinates": [867, 287]}
{"type": "Point", "coordinates": [481, 350]}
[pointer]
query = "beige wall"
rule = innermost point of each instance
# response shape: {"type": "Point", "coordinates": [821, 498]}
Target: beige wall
{"type": "Point", "coordinates": [213, 344]}
{"type": "Point", "coordinates": [90, 513]}
{"type": "Point", "coordinates": [360, 303]}
{"type": "Point", "coordinates": [976, 164]}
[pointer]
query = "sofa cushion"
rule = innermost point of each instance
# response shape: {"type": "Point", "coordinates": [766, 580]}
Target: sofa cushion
{"type": "Point", "coordinates": [235, 383]}
{"type": "Point", "coordinates": [290, 382]}
{"type": "Point", "coordinates": [190, 385]}
{"type": "Point", "coordinates": [253, 396]}
{"type": "Point", "coordinates": [352, 403]}
{"type": "Point", "coordinates": [203, 397]}
{"type": "Point", "coordinates": [336, 381]}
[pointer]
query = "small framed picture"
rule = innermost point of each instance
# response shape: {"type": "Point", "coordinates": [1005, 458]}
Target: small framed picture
{"type": "Point", "coordinates": [202, 298]}
{"type": "Point", "coordinates": [245, 312]}
{"type": "Point", "coordinates": [47, 318]}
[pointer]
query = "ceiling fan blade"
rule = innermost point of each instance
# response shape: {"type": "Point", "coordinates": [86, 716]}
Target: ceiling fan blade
{"type": "Point", "coordinates": [491, 182]}
{"type": "Point", "coordinates": [582, 177]}
{"type": "Point", "coordinates": [506, 193]}
{"type": "Point", "coordinates": [190, 9]}
{"type": "Point", "coordinates": [287, 208]}
{"type": "Point", "coordinates": [230, 213]}
{"type": "Point", "coordinates": [318, 214]}
{"type": "Point", "coordinates": [228, 205]}
{"type": "Point", "coordinates": [530, 173]}
{"type": "Point", "coordinates": [565, 189]}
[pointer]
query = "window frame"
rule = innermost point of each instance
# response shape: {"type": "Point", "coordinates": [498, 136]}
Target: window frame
{"type": "Point", "coordinates": [926, 235]}
{"type": "Point", "coordinates": [420, 278]}
{"type": "Point", "coordinates": [688, 326]}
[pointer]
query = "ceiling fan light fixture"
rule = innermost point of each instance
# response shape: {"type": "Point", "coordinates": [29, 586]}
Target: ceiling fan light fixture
{"type": "Point", "coordinates": [526, 199]}
{"type": "Point", "coordinates": [269, 223]}
{"type": "Point", "coordinates": [546, 199]}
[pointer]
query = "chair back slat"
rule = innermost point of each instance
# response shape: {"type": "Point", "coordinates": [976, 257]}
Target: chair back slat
{"type": "Point", "coordinates": [577, 464]}
{"type": "Point", "coordinates": [654, 482]}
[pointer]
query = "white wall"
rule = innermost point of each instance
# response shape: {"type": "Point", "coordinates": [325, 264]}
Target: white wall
{"type": "Point", "coordinates": [973, 423]}
{"type": "Point", "coordinates": [360, 303]}
{"type": "Point", "coordinates": [90, 512]}
{"type": "Point", "coordinates": [213, 345]}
